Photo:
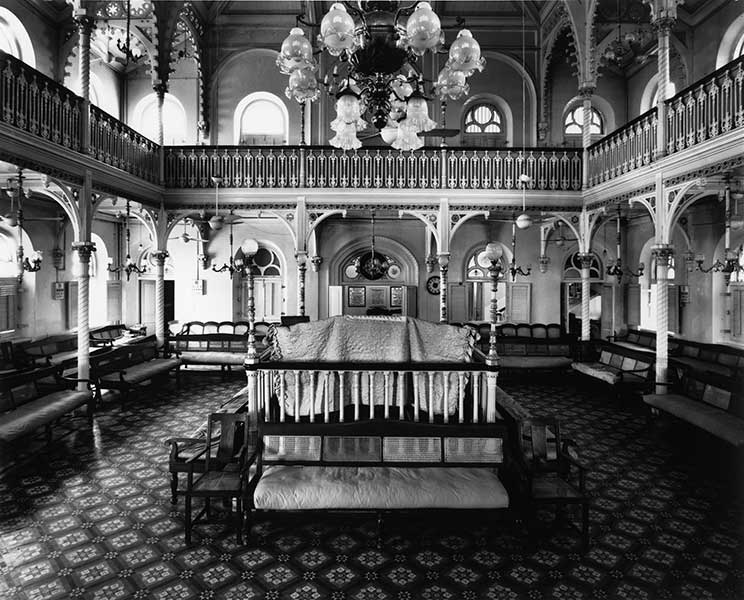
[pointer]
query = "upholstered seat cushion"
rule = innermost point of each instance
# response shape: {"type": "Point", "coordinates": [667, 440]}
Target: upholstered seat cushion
{"type": "Point", "coordinates": [637, 347]}
{"type": "Point", "coordinates": [598, 370]}
{"type": "Point", "coordinates": [39, 412]}
{"type": "Point", "coordinates": [534, 362]}
{"type": "Point", "coordinates": [709, 417]}
{"type": "Point", "coordinates": [212, 358]}
{"type": "Point", "coordinates": [142, 371]}
{"type": "Point", "coordinates": [292, 487]}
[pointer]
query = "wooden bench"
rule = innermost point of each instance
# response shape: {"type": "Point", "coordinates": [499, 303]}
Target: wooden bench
{"type": "Point", "coordinates": [624, 370]}
{"type": "Point", "coordinates": [208, 327]}
{"type": "Point", "coordinates": [128, 367]}
{"type": "Point", "coordinates": [116, 335]}
{"type": "Point", "coordinates": [707, 401]}
{"type": "Point", "coordinates": [687, 355]}
{"type": "Point", "coordinates": [51, 350]}
{"type": "Point", "coordinates": [225, 350]}
{"type": "Point", "coordinates": [37, 398]}
{"type": "Point", "coordinates": [633, 338]}
{"type": "Point", "coordinates": [383, 466]}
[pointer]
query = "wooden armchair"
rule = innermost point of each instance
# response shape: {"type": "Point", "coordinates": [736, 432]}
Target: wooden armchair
{"type": "Point", "coordinates": [221, 462]}
{"type": "Point", "coordinates": [549, 467]}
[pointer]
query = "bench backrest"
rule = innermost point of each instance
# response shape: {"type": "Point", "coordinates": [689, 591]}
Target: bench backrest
{"type": "Point", "coordinates": [713, 353]}
{"type": "Point", "coordinates": [108, 332]}
{"type": "Point", "coordinates": [533, 347]}
{"type": "Point", "coordinates": [715, 390]}
{"type": "Point", "coordinates": [626, 359]}
{"type": "Point", "coordinates": [383, 443]}
{"type": "Point", "coordinates": [18, 389]}
{"type": "Point", "coordinates": [49, 345]}
{"type": "Point", "coordinates": [118, 359]}
{"type": "Point", "coordinates": [209, 342]}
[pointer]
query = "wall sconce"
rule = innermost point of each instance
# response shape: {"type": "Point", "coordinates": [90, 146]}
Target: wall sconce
{"type": "Point", "coordinates": [34, 263]}
{"type": "Point", "coordinates": [315, 263]}
{"type": "Point", "coordinates": [616, 269]}
{"type": "Point", "coordinates": [513, 268]}
{"type": "Point", "coordinates": [493, 253]}
{"type": "Point", "coordinates": [543, 262]}
{"type": "Point", "coordinates": [129, 265]}
{"type": "Point", "coordinates": [28, 264]}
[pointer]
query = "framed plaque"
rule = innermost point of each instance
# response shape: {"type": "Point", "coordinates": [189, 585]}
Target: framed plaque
{"type": "Point", "coordinates": [377, 295]}
{"type": "Point", "coordinates": [356, 295]}
{"type": "Point", "coordinates": [396, 296]}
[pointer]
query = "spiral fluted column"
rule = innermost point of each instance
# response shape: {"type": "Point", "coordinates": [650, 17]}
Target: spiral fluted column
{"type": "Point", "coordinates": [586, 93]}
{"type": "Point", "coordinates": [84, 250]}
{"type": "Point", "coordinates": [586, 263]}
{"type": "Point", "coordinates": [663, 255]}
{"type": "Point", "coordinates": [443, 285]}
{"type": "Point", "coordinates": [663, 26]}
{"type": "Point", "coordinates": [301, 273]}
{"type": "Point", "coordinates": [160, 89]}
{"type": "Point", "coordinates": [160, 257]}
{"type": "Point", "coordinates": [85, 27]}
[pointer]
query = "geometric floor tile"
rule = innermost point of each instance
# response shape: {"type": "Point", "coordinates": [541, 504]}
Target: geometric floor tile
{"type": "Point", "coordinates": [89, 516]}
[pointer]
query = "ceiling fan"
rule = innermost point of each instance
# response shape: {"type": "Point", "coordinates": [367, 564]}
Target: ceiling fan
{"type": "Point", "coordinates": [187, 237]}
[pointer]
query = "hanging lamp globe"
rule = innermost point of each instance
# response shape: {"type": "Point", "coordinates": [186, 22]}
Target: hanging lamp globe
{"type": "Point", "coordinates": [524, 221]}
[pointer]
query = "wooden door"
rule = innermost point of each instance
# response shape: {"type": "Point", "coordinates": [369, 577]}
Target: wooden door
{"type": "Point", "coordinates": [113, 302]}
{"type": "Point", "coordinates": [268, 299]}
{"type": "Point", "coordinates": [147, 304]}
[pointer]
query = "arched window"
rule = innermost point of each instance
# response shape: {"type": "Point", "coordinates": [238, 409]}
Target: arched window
{"type": "Point", "coordinates": [572, 268]}
{"type": "Point", "coordinates": [574, 120]}
{"type": "Point", "coordinates": [482, 118]}
{"type": "Point", "coordinates": [732, 42]}
{"type": "Point", "coordinates": [14, 38]}
{"type": "Point", "coordinates": [174, 119]}
{"type": "Point", "coordinates": [268, 286]}
{"type": "Point", "coordinates": [261, 119]}
{"type": "Point", "coordinates": [479, 287]}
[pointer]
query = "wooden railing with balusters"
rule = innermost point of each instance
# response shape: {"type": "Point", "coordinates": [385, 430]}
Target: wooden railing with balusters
{"type": "Point", "coordinates": [625, 149]}
{"type": "Point", "coordinates": [707, 109]}
{"type": "Point", "coordinates": [437, 391]}
{"type": "Point", "coordinates": [370, 168]}
{"type": "Point", "coordinates": [117, 144]}
{"type": "Point", "coordinates": [38, 105]}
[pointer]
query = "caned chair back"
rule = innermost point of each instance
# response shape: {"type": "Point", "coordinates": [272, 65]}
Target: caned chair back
{"type": "Point", "coordinates": [227, 434]}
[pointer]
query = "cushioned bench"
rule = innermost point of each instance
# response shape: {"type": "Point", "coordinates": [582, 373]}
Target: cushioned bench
{"type": "Point", "coordinates": [714, 358]}
{"type": "Point", "coordinates": [708, 401]}
{"type": "Point", "coordinates": [624, 370]}
{"type": "Point", "coordinates": [52, 350]}
{"type": "Point", "coordinates": [35, 399]}
{"type": "Point", "coordinates": [225, 350]}
{"type": "Point", "coordinates": [635, 339]}
{"type": "Point", "coordinates": [128, 367]}
{"type": "Point", "coordinates": [382, 466]}
{"type": "Point", "coordinates": [116, 335]}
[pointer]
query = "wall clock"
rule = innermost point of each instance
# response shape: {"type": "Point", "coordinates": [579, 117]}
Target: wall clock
{"type": "Point", "coordinates": [432, 284]}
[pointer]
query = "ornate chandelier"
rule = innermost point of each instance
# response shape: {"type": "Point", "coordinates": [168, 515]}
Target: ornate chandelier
{"type": "Point", "coordinates": [376, 50]}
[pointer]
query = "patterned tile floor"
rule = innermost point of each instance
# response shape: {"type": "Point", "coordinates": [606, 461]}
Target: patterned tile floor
{"type": "Point", "coordinates": [88, 516]}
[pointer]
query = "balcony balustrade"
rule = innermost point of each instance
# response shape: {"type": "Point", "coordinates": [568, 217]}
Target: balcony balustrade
{"type": "Point", "coordinates": [705, 110]}
{"type": "Point", "coordinates": [33, 103]}
{"type": "Point", "coordinates": [370, 168]}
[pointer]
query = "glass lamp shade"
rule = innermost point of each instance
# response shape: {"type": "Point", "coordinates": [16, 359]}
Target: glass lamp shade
{"type": "Point", "coordinates": [465, 54]}
{"type": "Point", "coordinates": [337, 30]}
{"type": "Point", "coordinates": [348, 111]}
{"type": "Point", "coordinates": [423, 29]}
{"type": "Point", "coordinates": [249, 247]}
{"type": "Point", "coordinates": [401, 87]}
{"type": "Point", "coordinates": [296, 53]}
{"type": "Point", "coordinates": [451, 84]}
{"type": "Point", "coordinates": [11, 220]}
{"type": "Point", "coordinates": [524, 221]}
{"type": "Point", "coordinates": [389, 133]}
{"type": "Point", "coordinates": [406, 139]}
{"type": "Point", "coordinates": [217, 222]}
{"type": "Point", "coordinates": [494, 252]}
{"type": "Point", "coordinates": [417, 114]}
{"type": "Point", "coordinates": [346, 137]}
{"type": "Point", "coordinates": [303, 87]}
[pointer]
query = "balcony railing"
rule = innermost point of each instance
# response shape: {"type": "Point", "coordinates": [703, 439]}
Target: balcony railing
{"type": "Point", "coordinates": [370, 168]}
{"type": "Point", "coordinates": [709, 108]}
{"type": "Point", "coordinates": [121, 146]}
{"type": "Point", "coordinates": [705, 110]}
{"type": "Point", "coordinates": [34, 103]}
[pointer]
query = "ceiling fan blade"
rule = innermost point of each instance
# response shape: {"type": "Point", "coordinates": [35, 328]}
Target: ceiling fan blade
{"type": "Point", "coordinates": [442, 132]}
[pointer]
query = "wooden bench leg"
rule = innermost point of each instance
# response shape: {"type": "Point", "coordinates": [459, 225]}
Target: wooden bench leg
{"type": "Point", "coordinates": [380, 525]}
{"type": "Point", "coordinates": [174, 487]}
{"type": "Point", "coordinates": [239, 518]}
{"type": "Point", "coordinates": [187, 517]}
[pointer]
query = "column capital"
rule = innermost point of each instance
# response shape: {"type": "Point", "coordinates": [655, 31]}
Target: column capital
{"type": "Point", "coordinates": [316, 261]}
{"type": "Point", "coordinates": [663, 24]}
{"type": "Point", "coordinates": [301, 258]}
{"type": "Point", "coordinates": [160, 88]}
{"type": "Point", "coordinates": [443, 258]}
{"type": "Point", "coordinates": [586, 259]}
{"type": "Point", "coordinates": [587, 91]}
{"type": "Point", "coordinates": [84, 250]}
{"type": "Point", "coordinates": [160, 257]}
{"type": "Point", "coordinates": [85, 23]}
{"type": "Point", "coordinates": [663, 254]}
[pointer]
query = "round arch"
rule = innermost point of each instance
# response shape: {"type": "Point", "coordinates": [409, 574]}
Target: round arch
{"type": "Point", "coordinates": [530, 90]}
{"type": "Point", "coordinates": [256, 97]}
{"type": "Point", "coordinates": [598, 103]}
{"type": "Point", "coordinates": [382, 244]}
{"type": "Point", "coordinates": [504, 109]}
{"type": "Point", "coordinates": [14, 38]}
{"type": "Point", "coordinates": [731, 43]}
{"type": "Point", "coordinates": [174, 118]}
